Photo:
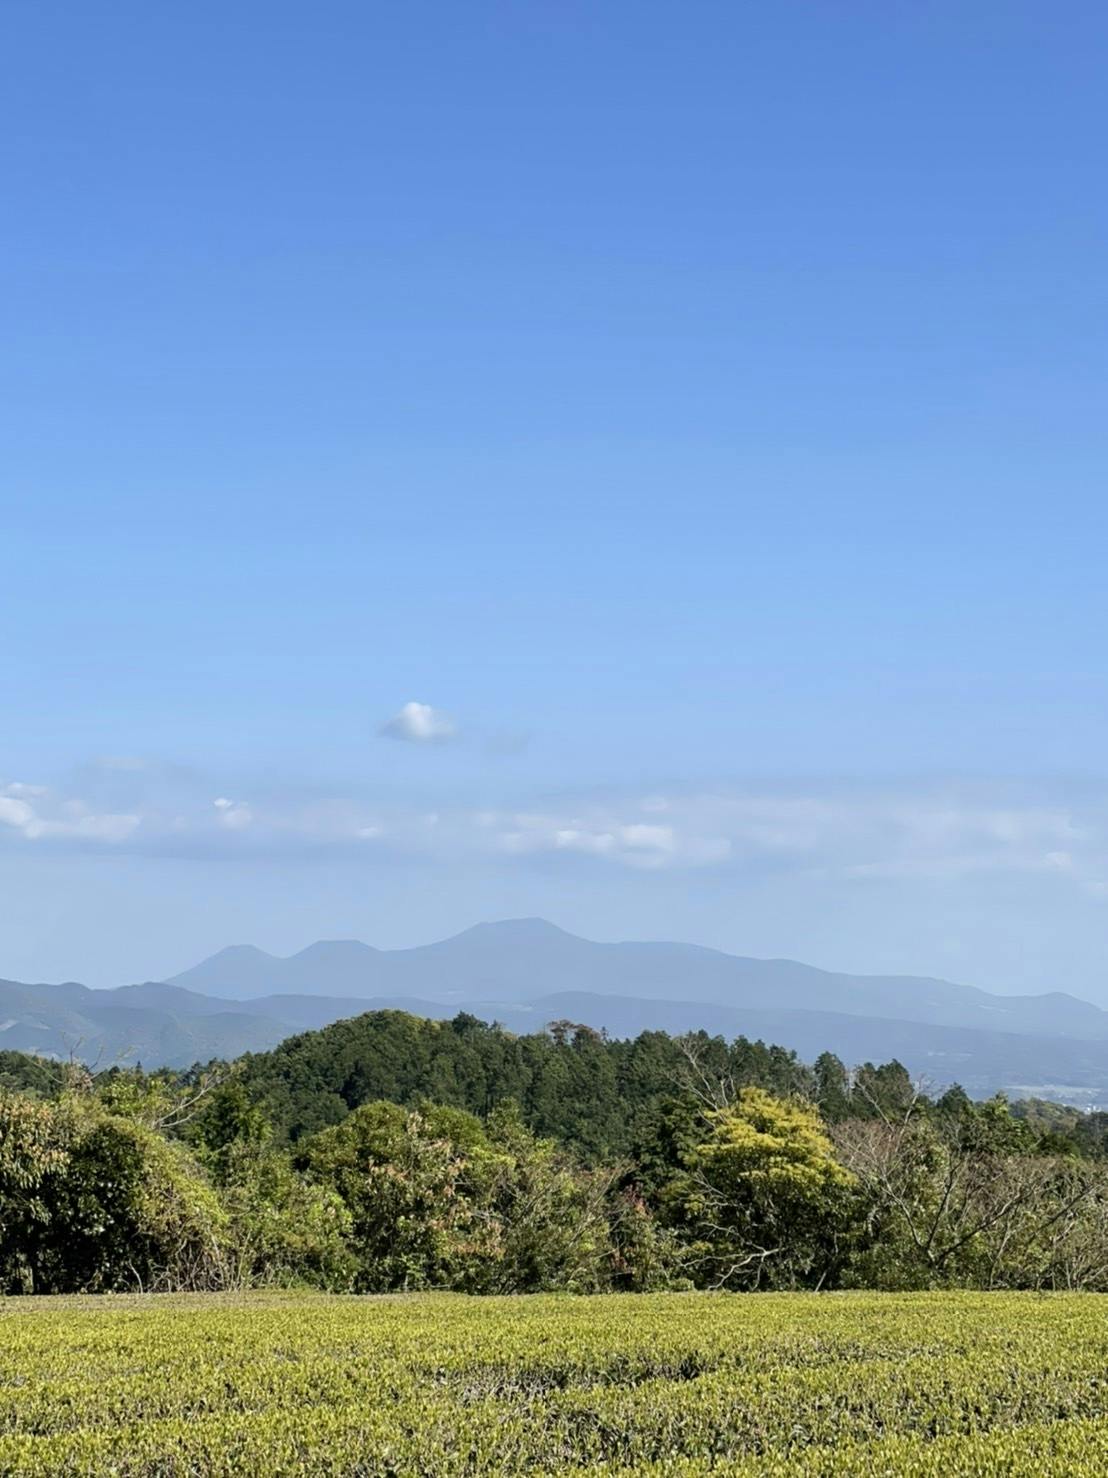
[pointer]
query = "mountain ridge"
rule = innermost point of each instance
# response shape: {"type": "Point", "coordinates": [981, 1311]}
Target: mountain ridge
{"type": "Point", "coordinates": [126, 1026]}
{"type": "Point", "coordinates": [522, 959]}
{"type": "Point", "coordinates": [526, 972]}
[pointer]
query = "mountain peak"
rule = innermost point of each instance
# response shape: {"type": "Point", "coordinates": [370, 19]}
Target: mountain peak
{"type": "Point", "coordinates": [335, 949]}
{"type": "Point", "coordinates": [527, 928]}
{"type": "Point", "coordinates": [237, 954]}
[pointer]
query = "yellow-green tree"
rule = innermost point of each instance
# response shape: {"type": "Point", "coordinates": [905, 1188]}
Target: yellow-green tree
{"type": "Point", "coordinates": [765, 1199]}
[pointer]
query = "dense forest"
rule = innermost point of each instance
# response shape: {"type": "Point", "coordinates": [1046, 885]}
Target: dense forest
{"type": "Point", "coordinates": [390, 1152]}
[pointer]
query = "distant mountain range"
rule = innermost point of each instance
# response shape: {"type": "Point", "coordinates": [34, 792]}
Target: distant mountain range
{"type": "Point", "coordinates": [526, 972]}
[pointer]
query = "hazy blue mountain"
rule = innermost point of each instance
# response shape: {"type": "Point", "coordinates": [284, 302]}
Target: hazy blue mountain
{"type": "Point", "coordinates": [525, 973]}
{"type": "Point", "coordinates": [336, 967]}
{"type": "Point", "coordinates": [521, 960]}
{"type": "Point", "coordinates": [156, 1023]}
{"type": "Point", "coordinates": [105, 1027]}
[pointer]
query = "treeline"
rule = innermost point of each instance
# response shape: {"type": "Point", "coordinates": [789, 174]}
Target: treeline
{"type": "Point", "coordinates": [390, 1152]}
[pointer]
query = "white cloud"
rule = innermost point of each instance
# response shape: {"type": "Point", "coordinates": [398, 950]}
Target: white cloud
{"type": "Point", "coordinates": [15, 812]}
{"type": "Point", "coordinates": [68, 819]}
{"type": "Point", "coordinates": [858, 833]}
{"type": "Point", "coordinates": [603, 833]}
{"type": "Point", "coordinates": [650, 838]}
{"type": "Point", "coordinates": [233, 815]}
{"type": "Point", "coordinates": [107, 828]}
{"type": "Point", "coordinates": [577, 839]}
{"type": "Point", "coordinates": [419, 723]}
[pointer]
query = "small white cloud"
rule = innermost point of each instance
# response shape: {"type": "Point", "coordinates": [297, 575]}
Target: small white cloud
{"type": "Point", "coordinates": [234, 815]}
{"type": "Point", "coordinates": [419, 723]}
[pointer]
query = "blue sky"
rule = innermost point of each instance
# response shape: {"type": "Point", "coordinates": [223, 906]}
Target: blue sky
{"type": "Point", "coordinates": [698, 408]}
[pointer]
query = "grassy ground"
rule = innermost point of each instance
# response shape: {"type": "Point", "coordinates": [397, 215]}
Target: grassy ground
{"type": "Point", "coordinates": [672, 1384]}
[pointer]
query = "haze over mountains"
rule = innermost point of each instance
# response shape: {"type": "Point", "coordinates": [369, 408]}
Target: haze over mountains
{"type": "Point", "coordinates": [527, 972]}
{"type": "Point", "coordinates": [524, 959]}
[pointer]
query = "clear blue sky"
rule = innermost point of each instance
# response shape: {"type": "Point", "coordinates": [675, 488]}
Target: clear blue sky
{"type": "Point", "coordinates": [700, 408]}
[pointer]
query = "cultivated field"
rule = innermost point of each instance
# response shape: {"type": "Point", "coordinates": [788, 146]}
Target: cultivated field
{"type": "Point", "coordinates": [944, 1384]}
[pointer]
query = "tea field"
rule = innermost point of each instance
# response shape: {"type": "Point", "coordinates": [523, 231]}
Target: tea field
{"type": "Point", "coordinates": [667, 1385]}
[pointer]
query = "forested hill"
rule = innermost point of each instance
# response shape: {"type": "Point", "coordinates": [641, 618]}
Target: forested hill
{"type": "Point", "coordinates": [602, 1097]}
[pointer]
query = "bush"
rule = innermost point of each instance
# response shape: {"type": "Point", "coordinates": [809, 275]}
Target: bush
{"type": "Point", "coordinates": [90, 1201]}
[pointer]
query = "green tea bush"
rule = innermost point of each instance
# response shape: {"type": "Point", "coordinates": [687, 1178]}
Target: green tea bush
{"type": "Point", "coordinates": [672, 1385]}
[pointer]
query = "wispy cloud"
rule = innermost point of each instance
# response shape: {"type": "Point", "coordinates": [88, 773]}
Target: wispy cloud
{"type": "Point", "coordinates": [419, 723]}
{"type": "Point", "coordinates": [33, 814]}
{"type": "Point", "coordinates": [609, 833]}
{"type": "Point", "coordinates": [864, 833]}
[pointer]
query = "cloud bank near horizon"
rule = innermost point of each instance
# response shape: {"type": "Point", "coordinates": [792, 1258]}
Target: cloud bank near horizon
{"type": "Point", "coordinates": [917, 829]}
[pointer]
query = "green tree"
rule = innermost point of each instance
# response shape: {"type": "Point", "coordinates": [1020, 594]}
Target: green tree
{"type": "Point", "coordinates": [832, 1088]}
{"type": "Point", "coordinates": [34, 1146]}
{"type": "Point", "coordinates": [284, 1230]}
{"type": "Point", "coordinates": [552, 1216]}
{"type": "Point", "coordinates": [958, 1198]}
{"type": "Point", "coordinates": [91, 1201]}
{"type": "Point", "coordinates": [767, 1202]}
{"type": "Point", "coordinates": [413, 1221]}
{"type": "Point", "coordinates": [886, 1092]}
{"type": "Point", "coordinates": [21, 1072]}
